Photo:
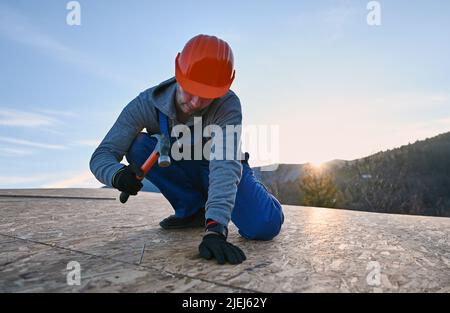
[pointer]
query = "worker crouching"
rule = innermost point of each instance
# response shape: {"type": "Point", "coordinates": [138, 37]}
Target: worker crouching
{"type": "Point", "coordinates": [204, 192]}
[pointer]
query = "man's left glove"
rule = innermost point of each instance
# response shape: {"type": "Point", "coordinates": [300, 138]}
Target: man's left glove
{"type": "Point", "coordinates": [126, 181]}
{"type": "Point", "coordinates": [215, 245]}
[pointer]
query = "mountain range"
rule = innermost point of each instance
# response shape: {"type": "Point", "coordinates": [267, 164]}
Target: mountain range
{"type": "Point", "coordinates": [411, 179]}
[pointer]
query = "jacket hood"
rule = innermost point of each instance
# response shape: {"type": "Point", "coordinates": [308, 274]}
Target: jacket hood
{"type": "Point", "coordinates": [163, 97]}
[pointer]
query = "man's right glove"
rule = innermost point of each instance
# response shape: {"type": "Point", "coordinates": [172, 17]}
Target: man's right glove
{"type": "Point", "coordinates": [215, 245]}
{"type": "Point", "coordinates": [125, 179]}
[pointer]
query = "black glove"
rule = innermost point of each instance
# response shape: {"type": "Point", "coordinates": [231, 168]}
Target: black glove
{"type": "Point", "coordinates": [125, 179]}
{"type": "Point", "coordinates": [215, 245]}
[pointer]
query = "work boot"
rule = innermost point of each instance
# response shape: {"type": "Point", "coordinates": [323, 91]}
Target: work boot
{"type": "Point", "coordinates": [193, 221]}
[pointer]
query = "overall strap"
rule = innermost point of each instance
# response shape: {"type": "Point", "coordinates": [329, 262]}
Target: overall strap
{"type": "Point", "coordinates": [164, 124]}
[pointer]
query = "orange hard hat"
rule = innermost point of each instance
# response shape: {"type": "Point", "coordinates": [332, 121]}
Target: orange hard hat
{"type": "Point", "coordinates": [205, 67]}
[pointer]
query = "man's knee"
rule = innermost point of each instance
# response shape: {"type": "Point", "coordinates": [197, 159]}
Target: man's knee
{"type": "Point", "coordinates": [264, 229]}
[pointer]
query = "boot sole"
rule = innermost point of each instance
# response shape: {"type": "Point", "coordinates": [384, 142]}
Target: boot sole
{"type": "Point", "coordinates": [181, 226]}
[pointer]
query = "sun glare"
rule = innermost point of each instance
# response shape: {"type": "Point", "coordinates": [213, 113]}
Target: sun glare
{"type": "Point", "coordinates": [316, 164]}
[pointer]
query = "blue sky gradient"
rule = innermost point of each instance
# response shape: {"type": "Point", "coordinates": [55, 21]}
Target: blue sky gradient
{"type": "Point", "coordinates": [336, 87]}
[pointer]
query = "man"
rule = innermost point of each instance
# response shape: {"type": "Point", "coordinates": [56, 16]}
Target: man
{"type": "Point", "coordinates": [206, 192]}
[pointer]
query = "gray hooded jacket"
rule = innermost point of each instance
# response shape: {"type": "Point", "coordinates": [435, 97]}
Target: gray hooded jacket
{"type": "Point", "coordinates": [141, 113]}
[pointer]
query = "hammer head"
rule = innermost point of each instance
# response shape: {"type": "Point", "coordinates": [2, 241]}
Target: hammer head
{"type": "Point", "coordinates": [163, 148]}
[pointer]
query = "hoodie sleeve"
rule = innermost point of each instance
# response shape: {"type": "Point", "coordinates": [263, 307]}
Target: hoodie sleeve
{"type": "Point", "coordinates": [105, 160]}
{"type": "Point", "coordinates": [225, 173]}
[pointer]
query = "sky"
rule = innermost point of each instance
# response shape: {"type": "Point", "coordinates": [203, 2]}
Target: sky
{"type": "Point", "coordinates": [336, 87]}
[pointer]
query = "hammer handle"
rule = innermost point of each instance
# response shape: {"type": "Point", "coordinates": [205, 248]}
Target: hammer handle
{"type": "Point", "coordinates": [151, 160]}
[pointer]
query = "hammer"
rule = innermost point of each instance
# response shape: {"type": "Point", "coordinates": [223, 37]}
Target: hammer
{"type": "Point", "coordinates": [160, 153]}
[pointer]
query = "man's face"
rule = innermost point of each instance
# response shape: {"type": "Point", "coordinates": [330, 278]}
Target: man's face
{"type": "Point", "coordinates": [188, 103]}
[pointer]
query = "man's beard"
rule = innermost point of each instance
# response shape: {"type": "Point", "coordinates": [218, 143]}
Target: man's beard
{"type": "Point", "coordinates": [187, 108]}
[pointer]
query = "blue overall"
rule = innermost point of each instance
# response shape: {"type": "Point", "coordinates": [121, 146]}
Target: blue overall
{"type": "Point", "coordinates": [256, 213]}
